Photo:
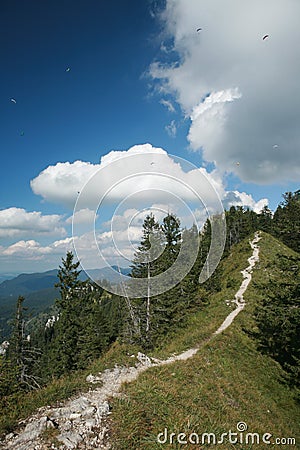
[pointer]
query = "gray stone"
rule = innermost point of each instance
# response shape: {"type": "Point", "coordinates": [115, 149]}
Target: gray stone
{"type": "Point", "coordinates": [70, 439]}
{"type": "Point", "coordinates": [93, 378]}
{"type": "Point", "coordinates": [90, 424]}
{"type": "Point", "coordinates": [9, 436]}
{"type": "Point", "coordinates": [144, 359]}
{"type": "Point", "coordinates": [79, 405]}
{"type": "Point", "coordinates": [89, 412]}
{"type": "Point", "coordinates": [75, 416]}
{"type": "Point", "coordinates": [103, 409]}
{"type": "Point", "coordinates": [33, 429]}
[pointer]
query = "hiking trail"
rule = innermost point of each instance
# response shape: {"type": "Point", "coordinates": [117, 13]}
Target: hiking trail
{"type": "Point", "coordinates": [83, 422]}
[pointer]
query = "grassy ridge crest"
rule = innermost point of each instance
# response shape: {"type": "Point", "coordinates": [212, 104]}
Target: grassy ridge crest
{"type": "Point", "coordinates": [226, 382]}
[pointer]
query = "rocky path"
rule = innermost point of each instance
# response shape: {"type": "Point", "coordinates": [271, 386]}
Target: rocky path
{"type": "Point", "coordinates": [239, 296]}
{"type": "Point", "coordinates": [81, 423]}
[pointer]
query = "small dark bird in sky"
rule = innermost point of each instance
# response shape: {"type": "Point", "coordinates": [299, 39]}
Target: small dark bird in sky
{"type": "Point", "coordinates": [199, 29]}
{"type": "Point", "coordinates": [152, 164]}
{"type": "Point", "coordinates": [265, 37]}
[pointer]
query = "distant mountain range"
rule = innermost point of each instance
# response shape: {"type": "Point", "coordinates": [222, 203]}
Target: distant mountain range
{"type": "Point", "coordinates": [39, 291]}
{"type": "Point", "coordinates": [7, 276]}
{"type": "Point", "coordinates": [28, 282]}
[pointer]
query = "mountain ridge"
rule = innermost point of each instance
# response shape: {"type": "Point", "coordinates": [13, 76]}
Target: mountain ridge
{"type": "Point", "coordinates": [226, 382]}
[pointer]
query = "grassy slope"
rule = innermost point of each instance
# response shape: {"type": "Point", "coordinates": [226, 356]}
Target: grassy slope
{"type": "Point", "coordinates": [228, 381]}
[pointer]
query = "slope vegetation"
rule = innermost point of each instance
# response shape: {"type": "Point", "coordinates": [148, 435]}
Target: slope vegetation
{"type": "Point", "coordinates": [216, 389]}
{"type": "Point", "coordinates": [227, 385]}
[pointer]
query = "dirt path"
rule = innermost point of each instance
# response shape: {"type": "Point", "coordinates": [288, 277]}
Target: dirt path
{"type": "Point", "coordinates": [82, 422]}
{"type": "Point", "coordinates": [239, 296]}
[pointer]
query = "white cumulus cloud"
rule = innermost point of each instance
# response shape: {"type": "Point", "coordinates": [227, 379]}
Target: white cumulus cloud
{"type": "Point", "coordinates": [19, 222]}
{"type": "Point", "coordinates": [30, 249]}
{"type": "Point", "coordinates": [142, 173]}
{"type": "Point", "coordinates": [240, 91]}
{"type": "Point", "coordinates": [62, 183]}
{"type": "Point", "coordinates": [82, 216]}
{"type": "Point", "coordinates": [236, 198]}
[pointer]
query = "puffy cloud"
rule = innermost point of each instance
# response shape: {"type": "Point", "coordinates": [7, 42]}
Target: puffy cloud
{"type": "Point", "coordinates": [119, 237]}
{"type": "Point", "coordinates": [235, 198]}
{"type": "Point", "coordinates": [142, 173]}
{"type": "Point", "coordinates": [33, 250]}
{"type": "Point", "coordinates": [209, 120]}
{"type": "Point", "coordinates": [19, 222]}
{"type": "Point", "coordinates": [121, 221]}
{"type": "Point", "coordinates": [260, 79]}
{"type": "Point", "coordinates": [62, 244]}
{"type": "Point", "coordinates": [30, 249]}
{"type": "Point", "coordinates": [82, 216]}
{"type": "Point", "coordinates": [128, 235]}
{"type": "Point", "coordinates": [141, 149]}
{"type": "Point", "coordinates": [62, 183]}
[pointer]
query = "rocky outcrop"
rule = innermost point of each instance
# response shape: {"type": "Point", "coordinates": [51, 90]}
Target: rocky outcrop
{"type": "Point", "coordinates": [79, 423]}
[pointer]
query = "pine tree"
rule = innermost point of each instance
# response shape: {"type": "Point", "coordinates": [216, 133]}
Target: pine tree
{"type": "Point", "coordinates": [63, 350]}
{"type": "Point", "coordinates": [278, 317]}
{"type": "Point", "coordinates": [142, 262]}
{"type": "Point", "coordinates": [93, 337]}
{"type": "Point", "coordinates": [88, 320]}
{"type": "Point", "coordinates": [116, 314]}
{"type": "Point", "coordinates": [265, 219]}
{"type": "Point", "coordinates": [167, 311]}
{"type": "Point", "coordinates": [233, 221]}
{"type": "Point", "coordinates": [69, 282]}
{"type": "Point", "coordinates": [286, 221]}
{"type": "Point", "coordinates": [167, 307]}
{"type": "Point", "coordinates": [190, 283]}
{"type": "Point", "coordinates": [21, 353]}
{"type": "Point", "coordinates": [144, 266]}
{"type": "Point", "coordinates": [9, 377]}
{"type": "Point", "coordinates": [172, 232]}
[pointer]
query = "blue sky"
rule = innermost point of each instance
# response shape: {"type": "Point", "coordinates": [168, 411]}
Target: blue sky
{"type": "Point", "coordinates": [139, 73]}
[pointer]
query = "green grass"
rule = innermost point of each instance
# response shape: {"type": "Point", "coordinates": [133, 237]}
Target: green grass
{"type": "Point", "coordinates": [226, 382]}
{"type": "Point", "coordinates": [265, 273]}
{"type": "Point", "coordinates": [20, 405]}
{"type": "Point", "coordinates": [201, 325]}
{"type": "Point", "coordinates": [49, 437]}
